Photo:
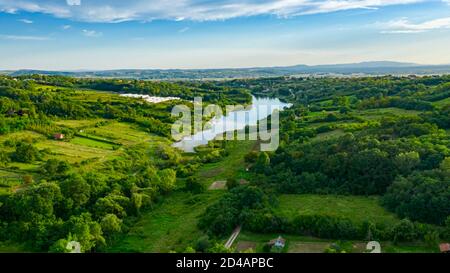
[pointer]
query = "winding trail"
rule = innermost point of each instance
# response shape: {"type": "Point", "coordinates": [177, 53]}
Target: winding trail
{"type": "Point", "coordinates": [233, 237]}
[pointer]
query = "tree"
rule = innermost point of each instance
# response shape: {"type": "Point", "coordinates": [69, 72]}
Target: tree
{"type": "Point", "coordinates": [432, 239]}
{"type": "Point", "coordinates": [232, 183]}
{"type": "Point", "coordinates": [238, 206]}
{"type": "Point", "coordinates": [85, 231]}
{"type": "Point", "coordinates": [445, 165]}
{"type": "Point", "coordinates": [25, 153]}
{"type": "Point", "coordinates": [262, 162]}
{"type": "Point", "coordinates": [4, 159]}
{"type": "Point", "coordinates": [251, 157]}
{"type": "Point", "coordinates": [422, 196]}
{"type": "Point", "coordinates": [189, 249]}
{"type": "Point", "coordinates": [76, 190]}
{"type": "Point", "coordinates": [220, 248]}
{"type": "Point", "coordinates": [203, 244]}
{"type": "Point", "coordinates": [406, 162]}
{"type": "Point", "coordinates": [111, 224]}
{"type": "Point", "coordinates": [36, 201]}
{"type": "Point", "coordinates": [109, 205]}
{"type": "Point", "coordinates": [62, 245]}
{"type": "Point", "coordinates": [136, 202]}
{"type": "Point", "coordinates": [55, 168]}
{"type": "Point", "coordinates": [447, 228]}
{"type": "Point", "coordinates": [193, 185]}
{"type": "Point", "coordinates": [404, 231]}
{"type": "Point", "coordinates": [168, 178]}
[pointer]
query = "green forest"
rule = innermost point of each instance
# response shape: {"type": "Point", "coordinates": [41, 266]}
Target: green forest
{"type": "Point", "coordinates": [360, 159]}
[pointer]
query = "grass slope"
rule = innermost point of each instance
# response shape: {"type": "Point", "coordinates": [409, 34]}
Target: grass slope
{"type": "Point", "coordinates": [356, 208]}
{"type": "Point", "coordinates": [172, 224]}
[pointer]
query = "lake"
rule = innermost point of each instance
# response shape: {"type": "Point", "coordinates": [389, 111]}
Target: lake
{"type": "Point", "coordinates": [260, 109]}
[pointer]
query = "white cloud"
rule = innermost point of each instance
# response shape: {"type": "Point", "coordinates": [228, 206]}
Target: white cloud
{"type": "Point", "coordinates": [404, 25]}
{"type": "Point", "coordinates": [23, 38]}
{"type": "Point", "coordinates": [25, 21]}
{"type": "Point", "coordinates": [8, 10]}
{"type": "Point", "coordinates": [91, 33]}
{"type": "Point", "coordinates": [183, 30]}
{"type": "Point", "coordinates": [66, 27]}
{"type": "Point", "coordinates": [73, 2]}
{"type": "Point", "coordinates": [198, 10]}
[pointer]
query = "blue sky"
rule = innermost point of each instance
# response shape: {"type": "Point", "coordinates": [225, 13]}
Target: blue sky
{"type": "Point", "coordinates": [100, 34]}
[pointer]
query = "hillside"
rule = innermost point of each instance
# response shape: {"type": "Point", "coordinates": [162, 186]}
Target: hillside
{"type": "Point", "coordinates": [364, 68]}
{"type": "Point", "coordinates": [363, 158]}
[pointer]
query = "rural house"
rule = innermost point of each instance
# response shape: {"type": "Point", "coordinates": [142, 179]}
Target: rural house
{"type": "Point", "coordinates": [445, 248]}
{"type": "Point", "coordinates": [278, 242]}
{"type": "Point", "coordinates": [58, 136]}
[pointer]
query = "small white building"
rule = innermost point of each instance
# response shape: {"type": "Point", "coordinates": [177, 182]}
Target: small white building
{"type": "Point", "coordinates": [279, 242]}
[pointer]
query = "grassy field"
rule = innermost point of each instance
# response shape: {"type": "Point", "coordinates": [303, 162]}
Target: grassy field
{"type": "Point", "coordinates": [374, 114]}
{"type": "Point", "coordinates": [98, 141]}
{"type": "Point", "coordinates": [74, 152]}
{"type": "Point", "coordinates": [79, 124]}
{"type": "Point", "coordinates": [233, 166]}
{"type": "Point", "coordinates": [356, 208]}
{"type": "Point", "coordinates": [92, 143]}
{"type": "Point", "coordinates": [172, 225]}
{"type": "Point", "coordinates": [22, 135]}
{"type": "Point", "coordinates": [329, 135]}
{"type": "Point", "coordinates": [124, 133]}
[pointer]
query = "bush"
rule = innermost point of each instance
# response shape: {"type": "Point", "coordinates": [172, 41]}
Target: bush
{"type": "Point", "coordinates": [251, 157]}
{"type": "Point", "coordinates": [404, 231]}
{"type": "Point", "coordinates": [203, 244]}
{"type": "Point", "coordinates": [25, 153]}
{"type": "Point", "coordinates": [193, 185]}
{"type": "Point", "coordinates": [232, 183]}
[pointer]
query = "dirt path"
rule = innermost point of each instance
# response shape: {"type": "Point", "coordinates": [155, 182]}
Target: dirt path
{"type": "Point", "coordinates": [233, 237]}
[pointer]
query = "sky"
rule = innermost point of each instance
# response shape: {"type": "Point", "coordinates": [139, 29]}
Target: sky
{"type": "Point", "coordinates": [163, 34]}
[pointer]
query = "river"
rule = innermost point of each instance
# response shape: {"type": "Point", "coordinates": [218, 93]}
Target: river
{"type": "Point", "coordinates": [260, 109]}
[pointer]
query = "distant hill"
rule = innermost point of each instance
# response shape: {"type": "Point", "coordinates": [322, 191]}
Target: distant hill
{"type": "Point", "coordinates": [363, 68]}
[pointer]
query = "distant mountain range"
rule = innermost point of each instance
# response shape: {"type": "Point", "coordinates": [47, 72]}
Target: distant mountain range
{"type": "Point", "coordinates": [364, 68]}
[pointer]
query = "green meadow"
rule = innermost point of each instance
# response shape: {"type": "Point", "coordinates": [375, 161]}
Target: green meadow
{"type": "Point", "coordinates": [357, 208]}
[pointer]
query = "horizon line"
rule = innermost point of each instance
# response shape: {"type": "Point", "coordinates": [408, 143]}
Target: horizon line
{"type": "Point", "coordinates": [80, 70]}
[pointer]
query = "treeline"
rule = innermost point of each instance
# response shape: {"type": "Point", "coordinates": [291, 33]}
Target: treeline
{"type": "Point", "coordinates": [362, 165]}
{"type": "Point", "coordinates": [253, 209]}
{"type": "Point", "coordinates": [32, 107]}
{"type": "Point", "coordinates": [308, 90]}
{"type": "Point", "coordinates": [210, 92]}
{"type": "Point", "coordinates": [412, 172]}
{"type": "Point", "coordinates": [402, 103]}
{"type": "Point", "coordinates": [90, 207]}
{"type": "Point", "coordinates": [402, 158]}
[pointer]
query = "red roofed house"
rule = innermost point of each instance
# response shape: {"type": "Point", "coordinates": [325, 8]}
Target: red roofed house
{"type": "Point", "coordinates": [445, 248]}
{"type": "Point", "coordinates": [58, 136]}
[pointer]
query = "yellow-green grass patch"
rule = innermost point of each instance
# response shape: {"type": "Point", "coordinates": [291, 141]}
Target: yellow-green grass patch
{"type": "Point", "coordinates": [22, 135]}
{"type": "Point", "coordinates": [92, 143]}
{"type": "Point", "coordinates": [442, 103]}
{"type": "Point", "coordinates": [231, 166]}
{"type": "Point", "coordinates": [356, 208]}
{"type": "Point", "coordinates": [78, 124]}
{"type": "Point", "coordinates": [124, 133]}
{"type": "Point", "coordinates": [73, 152]}
{"type": "Point", "coordinates": [373, 114]}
